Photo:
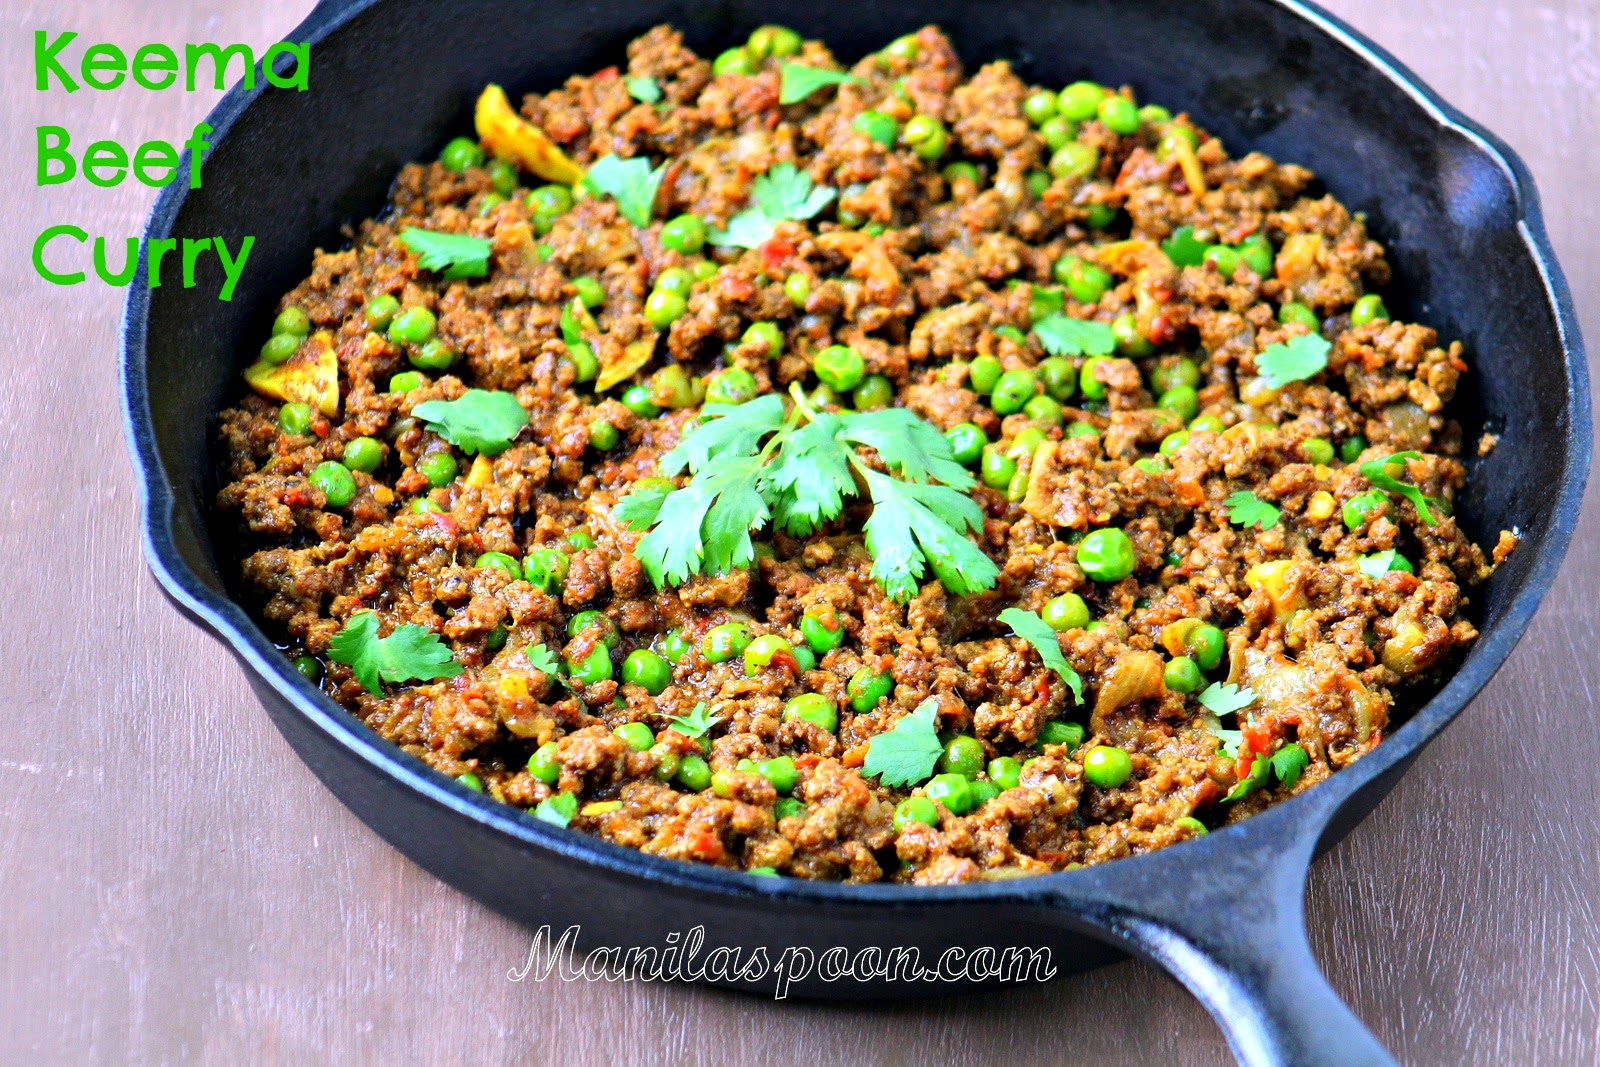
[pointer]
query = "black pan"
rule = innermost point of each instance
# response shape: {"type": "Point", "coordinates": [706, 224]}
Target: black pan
{"type": "Point", "coordinates": [392, 79]}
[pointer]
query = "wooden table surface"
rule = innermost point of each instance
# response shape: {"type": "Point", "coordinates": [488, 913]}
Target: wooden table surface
{"type": "Point", "coordinates": [175, 885]}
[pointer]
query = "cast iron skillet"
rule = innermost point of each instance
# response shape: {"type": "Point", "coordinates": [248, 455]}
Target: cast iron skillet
{"type": "Point", "coordinates": [392, 79]}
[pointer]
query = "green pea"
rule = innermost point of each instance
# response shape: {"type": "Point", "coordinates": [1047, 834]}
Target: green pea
{"type": "Point", "coordinates": [461, 154]}
{"type": "Point", "coordinates": [1182, 675]}
{"type": "Point", "coordinates": [1175, 372]}
{"type": "Point", "coordinates": [1080, 100]}
{"type": "Point", "coordinates": [734, 61]}
{"type": "Point", "coordinates": [760, 653]}
{"type": "Point", "coordinates": [637, 399]}
{"type": "Point", "coordinates": [915, 810]}
{"type": "Point", "coordinates": [767, 335]}
{"type": "Point", "coordinates": [580, 539]}
{"type": "Point", "coordinates": [295, 419]}
{"type": "Point", "coordinates": [1086, 282]}
{"type": "Point", "coordinates": [545, 763]}
{"type": "Point", "coordinates": [1060, 379]}
{"type": "Point", "coordinates": [878, 126]}
{"type": "Point", "coordinates": [1225, 259]}
{"type": "Point", "coordinates": [773, 41]}
{"type": "Point", "coordinates": [595, 668]}
{"type": "Point", "coordinates": [310, 668]}
{"type": "Point", "coordinates": [1058, 131]}
{"type": "Point", "coordinates": [685, 234]}
{"type": "Point", "coordinates": [648, 670]}
{"type": "Point", "coordinates": [589, 291]}
{"type": "Point", "coordinates": [926, 135]}
{"type": "Point", "coordinates": [1012, 334]}
{"type": "Point", "coordinates": [1193, 825]}
{"type": "Point", "coordinates": [725, 641]}
{"type": "Point", "coordinates": [963, 755]}
{"type": "Point", "coordinates": [489, 202]}
{"type": "Point", "coordinates": [413, 326]}
{"type": "Point", "coordinates": [703, 270]}
{"type": "Point", "coordinates": [797, 287]}
{"type": "Point", "coordinates": [1107, 767]}
{"type": "Point", "coordinates": [1130, 340]}
{"type": "Point", "coordinates": [1039, 107]}
{"type": "Point", "coordinates": [1100, 216]}
{"type": "Point", "coordinates": [637, 735]}
{"type": "Point", "coordinates": [603, 436]}
{"type": "Point", "coordinates": [546, 568]}
{"type": "Point", "coordinates": [961, 170]}
{"type": "Point", "coordinates": [1207, 424]}
{"type": "Point", "coordinates": [1184, 248]}
{"type": "Point", "coordinates": [694, 774]}
{"type": "Point", "coordinates": [280, 347]}
{"type": "Point", "coordinates": [501, 562]}
{"type": "Point", "coordinates": [966, 443]}
{"type": "Point", "coordinates": [1038, 182]}
{"type": "Point", "coordinates": [548, 203]}
{"type": "Point", "coordinates": [1043, 411]}
{"type": "Point", "coordinates": [875, 391]}
{"type": "Point", "coordinates": [1294, 311]}
{"type": "Point", "coordinates": [1119, 114]}
{"type": "Point", "coordinates": [815, 709]}
{"type": "Point", "coordinates": [503, 176]}
{"type": "Point", "coordinates": [1256, 253]}
{"type": "Point", "coordinates": [954, 791]}
{"type": "Point", "coordinates": [1206, 645]}
{"type": "Point", "coordinates": [293, 321]}
{"type": "Point", "coordinates": [839, 367]}
{"type": "Point", "coordinates": [663, 307]}
{"type": "Point", "coordinates": [381, 310]}
{"type": "Point", "coordinates": [1089, 384]}
{"type": "Point", "coordinates": [1012, 391]}
{"type": "Point", "coordinates": [787, 808]}
{"type": "Point", "coordinates": [1351, 448]}
{"type": "Point", "coordinates": [674, 646]}
{"type": "Point", "coordinates": [1361, 509]}
{"type": "Point", "coordinates": [1082, 429]}
{"type": "Point", "coordinates": [1174, 137]}
{"type": "Point", "coordinates": [433, 355]}
{"type": "Point", "coordinates": [733, 386]}
{"type": "Point", "coordinates": [1152, 465]}
{"type": "Point", "coordinates": [1397, 562]}
{"type": "Point", "coordinates": [1074, 160]}
{"type": "Point", "coordinates": [1106, 555]}
{"type": "Point", "coordinates": [781, 772]}
{"type": "Point", "coordinates": [1065, 612]}
{"type": "Point", "coordinates": [822, 629]}
{"type": "Point", "coordinates": [1057, 732]}
{"type": "Point", "coordinates": [1317, 450]}
{"type": "Point", "coordinates": [996, 468]}
{"type": "Point", "coordinates": [1154, 115]}
{"type": "Point", "coordinates": [1181, 399]}
{"type": "Point", "coordinates": [866, 687]}
{"type": "Point", "coordinates": [424, 506]}
{"type": "Point", "coordinates": [1005, 772]}
{"type": "Point", "coordinates": [438, 467]}
{"type": "Point", "coordinates": [585, 620]}
{"type": "Point", "coordinates": [1368, 309]}
{"type": "Point", "coordinates": [406, 381]}
{"type": "Point", "coordinates": [984, 374]}
{"type": "Point", "coordinates": [674, 280]}
{"type": "Point", "coordinates": [335, 482]}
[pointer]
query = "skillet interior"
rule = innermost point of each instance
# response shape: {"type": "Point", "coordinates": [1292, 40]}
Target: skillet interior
{"type": "Point", "coordinates": [1458, 219]}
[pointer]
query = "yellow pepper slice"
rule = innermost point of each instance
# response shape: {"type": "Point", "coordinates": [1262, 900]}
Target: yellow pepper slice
{"type": "Point", "coordinates": [310, 376]}
{"type": "Point", "coordinates": [510, 136]}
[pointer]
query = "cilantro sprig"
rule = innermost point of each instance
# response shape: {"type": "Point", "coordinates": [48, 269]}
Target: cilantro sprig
{"type": "Point", "coordinates": [799, 81]}
{"type": "Point", "coordinates": [1221, 698]}
{"type": "Point", "coordinates": [696, 723]}
{"type": "Point", "coordinates": [1293, 360]}
{"type": "Point", "coordinates": [752, 465]}
{"type": "Point", "coordinates": [1063, 335]}
{"type": "Point", "coordinates": [1247, 509]}
{"type": "Point", "coordinates": [630, 182]}
{"type": "Point", "coordinates": [1034, 630]}
{"type": "Point", "coordinates": [458, 255]}
{"type": "Point", "coordinates": [410, 653]}
{"type": "Point", "coordinates": [479, 420]}
{"type": "Point", "coordinates": [784, 193]}
{"type": "Point", "coordinates": [1374, 472]}
{"type": "Point", "coordinates": [1380, 563]}
{"type": "Point", "coordinates": [645, 89]}
{"type": "Point", "coordinates": [906, 754]}
{"type": "Point", "coordinates": [544, 660]}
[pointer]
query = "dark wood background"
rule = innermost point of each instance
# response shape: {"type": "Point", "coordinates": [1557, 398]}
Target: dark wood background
{"type": "Point", "coordinates": [174, 885]}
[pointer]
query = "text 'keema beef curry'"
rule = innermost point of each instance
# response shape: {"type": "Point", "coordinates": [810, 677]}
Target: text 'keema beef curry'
{"type": "Point", "coordinates": [856, 474]}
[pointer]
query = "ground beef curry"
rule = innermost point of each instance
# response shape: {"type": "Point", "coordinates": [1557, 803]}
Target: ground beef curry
{"type": "Point", "coordinates": [869, 474]}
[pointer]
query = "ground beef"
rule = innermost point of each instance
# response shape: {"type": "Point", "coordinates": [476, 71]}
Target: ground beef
{"type": "Point", "coordinates": [1254, 518]}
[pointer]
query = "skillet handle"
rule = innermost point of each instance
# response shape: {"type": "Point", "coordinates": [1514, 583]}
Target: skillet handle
{"type": "Point", "coordinates": [1231, 927]}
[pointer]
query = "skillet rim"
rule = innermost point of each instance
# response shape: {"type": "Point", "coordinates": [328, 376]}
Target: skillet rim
{"type": "Point", "coordinates": [1307, 813]}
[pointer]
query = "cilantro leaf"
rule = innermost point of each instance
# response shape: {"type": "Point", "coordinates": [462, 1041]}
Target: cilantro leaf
{"type": "Point", "coordinates": [1293, 360]}
{"type": "Point", "coordinates": [557, 810]}
{"type": "Point", "coordinates": [1063, 335]}
{"type": "Point", "coordinates": [1034, 630]}
{"type": "Point", "coordinates": [906, 754]}
{"type": "Point", "coordinates": [1247, 509]}
{"type": "Point", "coordinates": [912, 447]}
{"type": "Point", "coordinates": [800, 81]}
{"type": "Point", "coordinates": [1374, 472]}
{"type": "Point", "coordinates": [479, 420]}
{"type": "Point", "coordinates": [1223, 699]}
{"type": "Point", "coordinates": [728, 429]}
{"type": "Point", "coordinates": [704, 528]}
{"type": "Point", "coordinates": [1229, 742]}
{"type": "Point", "coordinates": [543, 659]}
{"type": "Point", "coordinates": [694, 724]}
{"type": "Point", "coordinates": [630, 182]}
{"type": "Point", "coordinates": [640, 509]}
{"type": "Point", "coordinates": [1289, 762]}
{"type": "Point", "coordinates": [915, 526]}
{"type": "Point", "coordinates": [784, 193]}
{"type": "Point", "coordinates": [459, 255]}
{"type": "Point", "coordinates": [412, 652]}
{"type": "Point", "coordinates": [646, 90]}
{"type": "Point", "coordinates": [1379, 563]}
{"type": "Point", "coordinates": [811, 476]}
{"type": "Point", "coordinates": [1250, 782]}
